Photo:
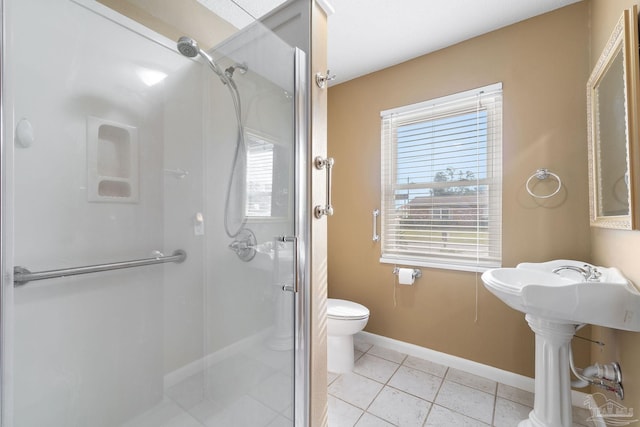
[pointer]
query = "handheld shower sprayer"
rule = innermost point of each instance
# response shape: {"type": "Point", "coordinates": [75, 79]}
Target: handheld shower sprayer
{"type": "Point", "coordinates": [242, 245]}
{"type": "Point", "coordinates": [189, 48]}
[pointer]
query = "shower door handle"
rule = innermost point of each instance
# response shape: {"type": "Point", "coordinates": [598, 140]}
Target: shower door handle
{"type": "Point", "coordinates": [296, 257]}
{"type": "Point", "coordinates": [324, 163]}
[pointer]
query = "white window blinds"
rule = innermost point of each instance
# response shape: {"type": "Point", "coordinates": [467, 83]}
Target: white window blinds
{"type": "Point", "coordinates": [259, 176]}
{"type": "Point", "coordinates": [441, 181]}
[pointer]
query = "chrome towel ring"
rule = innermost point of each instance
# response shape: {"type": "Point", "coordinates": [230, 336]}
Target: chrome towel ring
{"type": "Point", "coordinates": [541, 174]}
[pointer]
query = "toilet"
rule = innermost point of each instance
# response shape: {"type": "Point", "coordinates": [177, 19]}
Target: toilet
{"type": "Point", "coordinates": [344, 320]}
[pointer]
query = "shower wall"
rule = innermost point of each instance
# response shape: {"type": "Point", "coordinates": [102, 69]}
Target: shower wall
{"type": "Point", "coordinates": [183, 201]}
{"type": "Point", "coordinates": [93, 349]}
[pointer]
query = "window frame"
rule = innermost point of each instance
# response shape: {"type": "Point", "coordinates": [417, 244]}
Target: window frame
{"type": "Point", "coordinates": [490, 99]}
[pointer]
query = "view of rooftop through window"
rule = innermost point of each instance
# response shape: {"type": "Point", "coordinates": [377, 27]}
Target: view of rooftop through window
{"type": "Point", "coordinates": [441, 157]}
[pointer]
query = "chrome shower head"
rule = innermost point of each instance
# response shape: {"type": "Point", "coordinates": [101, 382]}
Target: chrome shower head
{"type": "Point", "coordinates": [188, 47]}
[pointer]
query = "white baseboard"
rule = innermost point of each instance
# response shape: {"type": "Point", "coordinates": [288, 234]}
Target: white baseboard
{"type": "Point", "coordinates": [499, 375]}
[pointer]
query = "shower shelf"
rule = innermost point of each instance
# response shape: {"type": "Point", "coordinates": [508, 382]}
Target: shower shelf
{"type": "Point", "coordinates": [22, 276]}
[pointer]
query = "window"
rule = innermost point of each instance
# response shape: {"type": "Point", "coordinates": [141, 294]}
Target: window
{"type": "Point", "coordinates": [259, 176]}
{"type": "Point", "coordinates": [441, 181]}
{"type": "Point", "coordinates": [267, 177]}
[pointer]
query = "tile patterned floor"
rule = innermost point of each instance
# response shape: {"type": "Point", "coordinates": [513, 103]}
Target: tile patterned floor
{"type": "Point", "coordinates": [387, 388]}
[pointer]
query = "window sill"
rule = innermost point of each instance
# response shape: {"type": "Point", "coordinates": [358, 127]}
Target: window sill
{"type": "Point", "coordinates": [439, 265]}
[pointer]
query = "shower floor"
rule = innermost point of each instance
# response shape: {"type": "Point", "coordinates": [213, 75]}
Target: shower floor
{"type": "Point", "coordinates": [251, 388]}
{"type": "Point", "coordinates": [387, 388]}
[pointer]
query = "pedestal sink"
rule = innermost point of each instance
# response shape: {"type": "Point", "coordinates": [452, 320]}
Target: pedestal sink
{"type": "Point", "coordinates": [556, 297]}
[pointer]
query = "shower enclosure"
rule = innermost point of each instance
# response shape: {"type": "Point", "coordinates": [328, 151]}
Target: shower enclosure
{"type": "Point", "coordinates": [153, 217]}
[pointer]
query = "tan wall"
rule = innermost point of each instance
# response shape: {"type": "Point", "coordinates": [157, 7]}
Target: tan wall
{"type": "Point", "coordinates": [175, 19]}
{"type": "Point", "coordinates": [611, 247]}
{"type": "Point", "coordinates": [543, 65]}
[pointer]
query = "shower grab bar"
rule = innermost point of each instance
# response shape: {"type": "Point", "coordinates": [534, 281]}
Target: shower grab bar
{"type": "Point", "coordinates": [324, 163]}
{"type": "Point", "coordinates": [22, 276]}
{"type": "Point", "coordinates": [376, 214]}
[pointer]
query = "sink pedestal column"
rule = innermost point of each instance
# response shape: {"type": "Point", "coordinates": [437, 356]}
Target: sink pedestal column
{"type": "Point", "coordinates": [552, 403]}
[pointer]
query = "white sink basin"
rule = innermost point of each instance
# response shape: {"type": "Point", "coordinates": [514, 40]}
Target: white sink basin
{"type": "Point", "coordinates": [556, 296]}
{"type": "Point", "coordinates": [567, 296]}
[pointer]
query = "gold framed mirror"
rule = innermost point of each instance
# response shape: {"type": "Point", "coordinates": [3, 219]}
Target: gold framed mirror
{"type": "Point", "coordinates": [612, 100]}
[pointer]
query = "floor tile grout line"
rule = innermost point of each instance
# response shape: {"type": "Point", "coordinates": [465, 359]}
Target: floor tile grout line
{"type": "Point", "coordinates": [442, 381]}
{"type": "Point", "coordinates": [494, 392]}
{"type": "Point", "coordinates": [435, 396]}
{"type": "Point", "coordinates": [380, 391]}
{"type": "Point", "coordinates": [440, 388]}
{"type": "Point", "coordinates": [460, 413]}
{"type": "Point", "coordinates": [493, 413]}
{"type": "Point", "coordinates": [425, 371]}
{"type": "Point", "coordinates": [386, 384]}
{"type": "Point", "coordinates": [364, 411]}
{"type": "Point", "coordinates": [431, 403]}
{"type": "Point", "coordinates": [359, 418]}
{"type": "Point", "coordinates": [495, 402]}
{"type": "Point", "coordinates": [443, 378]}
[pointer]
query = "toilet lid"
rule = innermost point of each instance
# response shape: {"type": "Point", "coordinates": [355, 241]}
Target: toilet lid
{"type": "Point", "coordinates": [342, 309]}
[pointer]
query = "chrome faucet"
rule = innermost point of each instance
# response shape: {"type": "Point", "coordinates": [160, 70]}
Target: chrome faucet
{"type": "Point", "coordinates": [588, 272]}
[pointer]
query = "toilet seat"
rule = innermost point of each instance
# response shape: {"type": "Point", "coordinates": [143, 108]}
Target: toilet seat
{"type": "Point", "coordinates": [346, 310]}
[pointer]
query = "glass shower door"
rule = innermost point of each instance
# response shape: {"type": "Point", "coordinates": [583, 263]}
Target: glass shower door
{"type": "Point", "coordinates": [250, 299]}
{"type": "Point", "coordinates": [175, 184]}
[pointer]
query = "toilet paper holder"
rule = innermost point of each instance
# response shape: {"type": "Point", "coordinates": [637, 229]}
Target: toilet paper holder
{"type": "Point", "coordinates": [416, 272]}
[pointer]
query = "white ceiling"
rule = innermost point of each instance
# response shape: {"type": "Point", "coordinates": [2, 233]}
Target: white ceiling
{"type": "Point", "coordinates": [369, 35]}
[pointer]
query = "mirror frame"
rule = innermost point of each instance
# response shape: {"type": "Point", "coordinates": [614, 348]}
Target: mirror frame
{"type": "Point", "coordinates": [625, 34]}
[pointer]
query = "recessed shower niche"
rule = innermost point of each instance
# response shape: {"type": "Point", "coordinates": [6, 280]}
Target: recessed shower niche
{"type": "Point", "coordinates": [112, 161]}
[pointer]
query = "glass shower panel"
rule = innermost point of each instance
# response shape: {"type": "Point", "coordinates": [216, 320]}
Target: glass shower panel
{"type": "Point", "coordinates": [249, 333]}
{"type": "Point", "coordinates": [118, 148]}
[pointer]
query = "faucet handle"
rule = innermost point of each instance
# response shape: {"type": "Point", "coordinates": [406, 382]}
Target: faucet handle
{"type": "Point", "coordinates": [593, 272]}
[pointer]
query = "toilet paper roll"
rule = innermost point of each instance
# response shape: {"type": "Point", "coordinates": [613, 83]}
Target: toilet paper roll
{"type": "Point", "coordinates": [405, 276]}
